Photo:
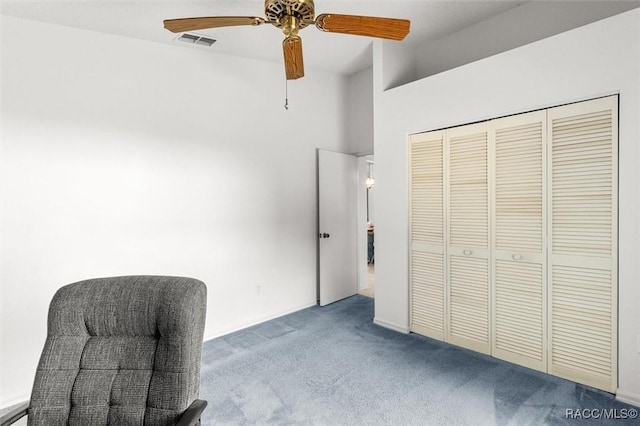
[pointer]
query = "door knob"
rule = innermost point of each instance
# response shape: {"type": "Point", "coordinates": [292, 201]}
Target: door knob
{"type": "Point", "coordinates": [325, 235]}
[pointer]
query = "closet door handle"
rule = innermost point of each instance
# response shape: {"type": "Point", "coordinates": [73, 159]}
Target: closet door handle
{"type": "Point", "coordinates": [516, 256]}
{"type": "Point", "coordinates": [467, 252]}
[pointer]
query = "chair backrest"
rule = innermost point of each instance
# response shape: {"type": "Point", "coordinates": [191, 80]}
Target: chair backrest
{"type": "Point", "coordinates": [120, 351]}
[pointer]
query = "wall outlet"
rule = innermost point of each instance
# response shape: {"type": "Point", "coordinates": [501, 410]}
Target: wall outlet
{"type": "Point", "coordinates": [257, 288]}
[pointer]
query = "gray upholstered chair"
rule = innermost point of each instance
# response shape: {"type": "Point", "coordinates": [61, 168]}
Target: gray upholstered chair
{"type": "Point", "coordinates": [121, 351]}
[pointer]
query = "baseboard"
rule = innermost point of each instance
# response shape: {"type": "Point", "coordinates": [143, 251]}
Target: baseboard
{"type": "Point", "coordinates": [629, 398]}
{"type": "Point", "coordinates": [260, 321]}
{"type": "Point", "coordinates": [395, 327]}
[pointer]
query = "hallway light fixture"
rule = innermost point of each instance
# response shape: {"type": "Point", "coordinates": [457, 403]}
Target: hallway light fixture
{"type": "Point", "coordinates": [370, 182]}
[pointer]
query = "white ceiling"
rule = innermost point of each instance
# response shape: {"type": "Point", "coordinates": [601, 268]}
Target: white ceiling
{"type": "Point", "coordinates": [431, 20]}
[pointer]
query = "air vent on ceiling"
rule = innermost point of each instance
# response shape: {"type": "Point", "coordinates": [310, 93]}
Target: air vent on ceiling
{"type": "Point", "coordinates": [196, 39]}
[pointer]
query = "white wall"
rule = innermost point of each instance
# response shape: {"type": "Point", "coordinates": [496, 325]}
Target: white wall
{"type": "Point", "coordinates": [399, 65]}
{"type": "Point", "coordinates": [126, 157]}
{"type": "Point", "coordinates": [511, 29]}
{"type": "Point", "coordinates": [360, 112]}
{"type": "Point", "coordinates": [601, 58]}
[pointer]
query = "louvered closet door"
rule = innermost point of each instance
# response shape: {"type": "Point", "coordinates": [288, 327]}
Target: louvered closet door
{"type": "Point", "coordinates": [518, 214]}
{"type": "Point", "coordinates": [468, 237]}
{"type": "Point", "coordinates": [427, 235]}
{"type": "Point", "coordinates": [583, 246]}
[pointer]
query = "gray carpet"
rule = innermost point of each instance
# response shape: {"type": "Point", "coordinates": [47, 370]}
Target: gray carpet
{"type": "Point", "coordinates": [333, 366]}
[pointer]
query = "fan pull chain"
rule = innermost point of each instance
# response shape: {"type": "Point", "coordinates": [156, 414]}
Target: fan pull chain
{"type": "Point", "coordinates": [286, 94]}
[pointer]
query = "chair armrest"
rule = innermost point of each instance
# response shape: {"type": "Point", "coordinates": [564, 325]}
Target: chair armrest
{"type": "Point", "coordinates": [14, 414]}
{"type": "Point", "coordinates": [191, 415]}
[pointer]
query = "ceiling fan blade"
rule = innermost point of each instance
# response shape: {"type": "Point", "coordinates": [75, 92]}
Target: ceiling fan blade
{"type": "Point", "coordinates": [370, 26]}
{"type": "Point", "coordinates": [191, 24]}
{"type": "Point", "coordinates": [293, 63]}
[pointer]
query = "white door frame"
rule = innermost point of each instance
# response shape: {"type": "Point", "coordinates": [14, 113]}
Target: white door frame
{"type": "Point", "coordinates": [361, 223]}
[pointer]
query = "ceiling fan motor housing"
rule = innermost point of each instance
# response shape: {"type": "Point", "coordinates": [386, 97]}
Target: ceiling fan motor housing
{"type": "Point", "coordinates": [277, 10]}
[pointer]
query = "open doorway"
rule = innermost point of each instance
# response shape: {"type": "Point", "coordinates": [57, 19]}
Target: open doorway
{"type": "Point", "coordinates": [366, 226]}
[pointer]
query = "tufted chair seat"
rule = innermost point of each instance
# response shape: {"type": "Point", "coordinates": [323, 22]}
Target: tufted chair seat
{"type": "Point", "coordinates": [121, 351]}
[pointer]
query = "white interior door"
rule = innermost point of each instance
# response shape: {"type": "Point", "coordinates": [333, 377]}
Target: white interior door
{"type": "Point", "coordinates": [428, 288]}
{"type": "Point", "coordinates": [337, 205]}
{"type": "Point", "coordinates": [583, 242]}
{"type": "Point", "coordinates": [469, 238]}
{"type": "Point", "coordinates": [519, 243]}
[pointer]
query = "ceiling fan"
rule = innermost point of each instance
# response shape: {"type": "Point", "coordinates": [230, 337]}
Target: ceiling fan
{"type": "Point", "coordinates": [293, 15]}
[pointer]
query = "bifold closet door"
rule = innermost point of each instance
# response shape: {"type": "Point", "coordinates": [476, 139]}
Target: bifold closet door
{"type": "Point", "coordinates": [519, 228]}
{"type": "Point", "coordinates": [583, 246]}
{"type": "Point", "coordinates": [468, 272]}
{"type": "Point", "coordinates": [427, 272]}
